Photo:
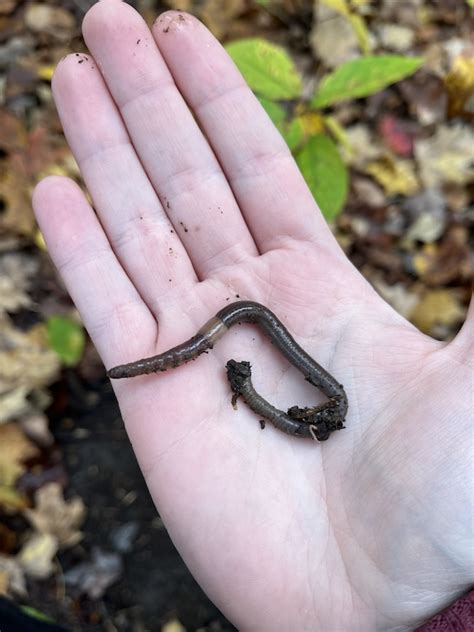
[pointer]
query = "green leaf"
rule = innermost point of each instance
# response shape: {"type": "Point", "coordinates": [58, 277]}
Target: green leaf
{"type": "Point", "coordinates": [267, 68]}
{"type": "Point", "coordinates": [274, 111]}
{"type": "Point", "coordinates": [36, 614]}
{"type": "Point", "coordinates": [293, 133]}
{"type": "Point", "coordinates": [470, 3]}
{"type": "Point", "coordinates": [362, 77]}
{"type": "Point", "coordinates": [325, 174]}
{"type": "Point", "coordinates": [67, 338]}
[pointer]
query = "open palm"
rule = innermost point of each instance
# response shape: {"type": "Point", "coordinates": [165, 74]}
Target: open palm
{"type": "Point", "coordinates": [199, 203]}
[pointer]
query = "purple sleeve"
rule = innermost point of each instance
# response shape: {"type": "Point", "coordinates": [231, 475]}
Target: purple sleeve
{"type": "Point", "coordinates": [459, 617]}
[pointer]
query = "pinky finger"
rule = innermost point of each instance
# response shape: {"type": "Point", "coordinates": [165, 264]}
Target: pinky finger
{"type": "Point", "coordinates": [112, 310]}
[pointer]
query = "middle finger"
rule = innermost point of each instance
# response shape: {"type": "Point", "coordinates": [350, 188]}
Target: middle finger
{"type": "Point", "coordinates": [175, 153]}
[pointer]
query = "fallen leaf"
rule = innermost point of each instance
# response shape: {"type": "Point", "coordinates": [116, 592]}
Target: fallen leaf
{"type": "Point", "coordinates": [447, 156]}
{"type": "Point", "coordinates": [361, 148]}
{"type": "Point", "coordinates": [438, 307]}
{"type": "Point", "coordinates": [426, 97]}
{"type": "Point", "coordinates": [428, 210]}
{"type": "Point", "coordinates": [450, 261]}
{"type": "Point", "coordinates": [367, 192]}
{"type": "Point", "coordinates": [36, 428]}
{"type": "Point", "coordinates": [123, 537]}
{"type": "Point", "coordinates": [26, 359]}
{"type": "Point", "coordinates": [173, 626]}
{"type": "Point", "coordinates": [53, 515]}
{"type": "Point", "coordinates": [219, 16]}
{"type": "Point", "coordinates": [395, 176]}
{"type": "Point", "coordinates": [37, 554]}
{"type": "Point", "coordinates": [332, 37]}
{"type": "Point", "coordinates": [55, 21]}
{"type": "Point", "coordinates": [11, 500]}
{"type": "Point", "coordinates": [397, 135]}
{"type": "Point", "coordinates": [396, 37]}
{"type": "Point", "coordinates": [398, 296]}
{"type": "Point", "coordinates": [12, 578]}
{"type": "Point", "coordinates": [17, 270]}
{"type": "Point", "coordinates": [15, 449]}
{"type": "Point", "coordinates": [14, 403]}
{"type": "Point", "coordinates": [460, 84]}
{"type": "Point", "coordinates": [94, 577]}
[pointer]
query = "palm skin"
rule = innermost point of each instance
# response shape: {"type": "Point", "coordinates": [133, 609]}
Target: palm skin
{"type": "Point", "coordinates": [367, 531]}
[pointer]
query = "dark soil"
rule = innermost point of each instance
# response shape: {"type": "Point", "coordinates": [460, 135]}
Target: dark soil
{"type": "Point", "coordinates": [101, 467]}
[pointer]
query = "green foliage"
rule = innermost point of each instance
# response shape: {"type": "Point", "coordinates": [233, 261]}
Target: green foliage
{"type": "Point", "coordinates": [362, 77]}
{"type": "Point", "coordinates": [36, 614]}
{"type": "Point", "coordinates": [325, 174]}
{"type": "Point", "coordinates": [67, 338]}
{"type": "Point", "coordinates": [272, 75]}
{"type": "Point", "coordinates": [267, 68]}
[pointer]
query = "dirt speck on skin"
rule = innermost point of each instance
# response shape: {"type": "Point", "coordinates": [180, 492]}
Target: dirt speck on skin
{"type": "Point", "coordinates": [184, 227]}
{"type": "Point", "coordinates": [138, 41]}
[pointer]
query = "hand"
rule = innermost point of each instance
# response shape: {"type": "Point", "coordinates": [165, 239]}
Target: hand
{"type": "Point", "coordinates": [198, 201]}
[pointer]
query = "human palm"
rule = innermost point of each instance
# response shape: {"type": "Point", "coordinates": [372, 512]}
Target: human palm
{"type": "Point", "coordinates": [369, 530]}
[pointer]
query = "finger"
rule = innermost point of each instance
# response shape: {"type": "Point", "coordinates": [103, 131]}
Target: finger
{"type": "Point", "coordinates": [138, 229]}
{"type": "Point", "coordinates": [113, 312]}
{"type": "Point", "coordinates": [266, 182]}
{"type": "Point", "coordinates": [172, 148]}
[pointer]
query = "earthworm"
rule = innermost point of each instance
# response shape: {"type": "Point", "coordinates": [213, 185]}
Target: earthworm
{"type": "Point", "coordinates": [317, 422]}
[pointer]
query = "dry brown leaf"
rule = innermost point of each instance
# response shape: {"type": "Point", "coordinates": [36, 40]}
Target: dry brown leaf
{"type": "Point", "coordinates": [15, 449]}
{"type": "Point", "coordinates": [54, 515]}
{"type": "Point", "coordinates": [12, 578]}
{"type": "Point", "coordinates": [55, 21]}
{"type": "Point", "coordinates": [26, 359]}
{"type": "Point", "coordinates": [219, 15]}
{"type": "Point", "coordinates": [16, 272]}
{"type": "Point", "coordinates": [36, 427]}
{"type": "Point", "coordinates": [14, 135]}
{"type": "Point", "coordinates": [14, 403]}
{"type": "Point", "coordinates": [447, 156]}
{"type": "Point", "coordinates": [361, 147]}
{"type": "Point", "coordinates": [17, 215]}
{"type": "Point", "coordinates": [396, 37]}
{"type": "Point", "coordinates": [332, 37]}
{"type": "Point", "coordinates": [37, 554]}
{"type": "Point", "coordinates": [395, 176]}
{"type": "Point", "coordinates": [438, 307]}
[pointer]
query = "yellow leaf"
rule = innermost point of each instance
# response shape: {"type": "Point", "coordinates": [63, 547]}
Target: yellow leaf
{"type": "Point", "coordinates": [36, 556]}
{"type": "Point", "coordinates": [437, 307]}
{"type": "Point", "coordinates": [46, 72]}
{"type": "Point", "coordinates": [311, 123]}
{"type": "Point", "coordinates": [39, 240]}
{"type": "Point", "coordinates": [11, 501]}
{"type": "Point", "coordinates": [460, 84]}
{"type": "Point", "coordinates": [396, 176]}
{"type": "Point", "coordinates": [173, 626]}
